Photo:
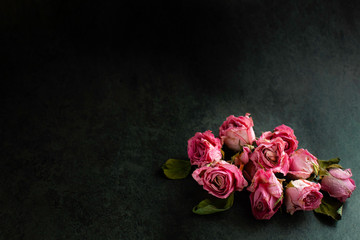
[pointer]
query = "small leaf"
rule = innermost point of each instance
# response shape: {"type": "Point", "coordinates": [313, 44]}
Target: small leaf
{"type": "Point", "coordinates": [316, 169]}
{"type": "Point", "coordinates": [251, 147]}
{"type": "Point", "coordinates": [222, 154]}
{"type": "Point", "coordinates": [334, 166]}
{"type": "Point", "coordinates": [339, 211]}
{"type": "Point", "coordinates": [324, 165]}
{"type": "Point", "coordinates": [261, 166]}
{"type": "Point", "coordinates": [277, 201]}
{"type": "Point", "coordinates": [327, 163]}
{"type": "Point", "coordinates": [290, 184]}
{"type": "Point", "coordinates": [176, 169]}
{"type": "Point", "coordinates": [323, 172]}
{"type": "Point", "coordinates": [330, 207]}
{"type": "Point", "coordinates": [214, 205]}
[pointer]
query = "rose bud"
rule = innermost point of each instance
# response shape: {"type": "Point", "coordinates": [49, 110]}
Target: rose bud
{"type": "Point", "coordinates": [338, 184]}
{"type": "Point", "coordinates": [302, 195]}
{"type": "Point", "coordinates": [270, 155]}
{"type": "Point", "coordinates": [237, 131]}
{"type": "Point", "coordinates": [302, 164]}
{"type": "Point", "coordinates": [220, 179]}
{"type": "Point", "coordinates": [204, 148]}
{"type": "Point", "coordinates": [266, 194]}
{"type": "Point", "coordinates": [285, 133]}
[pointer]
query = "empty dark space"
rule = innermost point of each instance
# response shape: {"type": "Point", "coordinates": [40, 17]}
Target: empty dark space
{"type": "Point", "coordinates": [97, 95]}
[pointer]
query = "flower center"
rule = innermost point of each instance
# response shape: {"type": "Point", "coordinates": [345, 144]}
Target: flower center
{"type": "Point", "coordinates": [287, 145]}
{"type": "Point", "coordinates": [271, 156]}
{"type": "Point", "coordinates": [219, 181]}
{"type": "Point", "coordinates": [310, 198]}
{"type": "Point", "coordinates": [259, 206]}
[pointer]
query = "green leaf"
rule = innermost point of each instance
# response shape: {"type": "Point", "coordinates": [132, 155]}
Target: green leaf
{"type": "Point", "coordinates": [277, 201]}
{"type": "Point", "coordinates": [290, 184]}
{"type": "Point", "coordinates": [326, 163]}
{"type": "Point", "coordinates": [222, 154]}
{"type": "Point", "coordinates": [261, 166]}
{"type": "Point", "coordinates": [330, 207]}
{"type": "Point", "coordinates": [214, 205]}
{"type": "Point", "coordinates": [176, 169]}
{"type": "Point", "coordinates": [316, 169]}
{"type": "Point", "coordinates": [323, 172]}
{"type": "Point", "coordinates": [334, 166]}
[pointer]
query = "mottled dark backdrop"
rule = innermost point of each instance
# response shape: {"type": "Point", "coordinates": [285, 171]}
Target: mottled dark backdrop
{"type": "Point", "coordinates": [97, 95]}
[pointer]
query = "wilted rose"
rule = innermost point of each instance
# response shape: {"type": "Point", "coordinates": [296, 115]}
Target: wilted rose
{"type": "Point", "coordinates": [286, 133]}
{"type": "Point", "coordinates": [204, 148]}
{"type": "Point", "coordinates": [270, 155]}
{"type": "Point", "coordinates": [302, 164]}
{"type": "Point", "coordinates": [338, 184]}
{"type": "Point", "coordinates": [237, 131]}
{"type": "Point", "coordinates": [220, 179]}
{"type": "Point", "coordinates": [266, 194]}
{"type": "Point", "coordinates": [302, 195]}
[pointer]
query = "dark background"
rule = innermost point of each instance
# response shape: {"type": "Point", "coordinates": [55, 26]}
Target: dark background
{"type": "Point", "coordinates": [98, 95]}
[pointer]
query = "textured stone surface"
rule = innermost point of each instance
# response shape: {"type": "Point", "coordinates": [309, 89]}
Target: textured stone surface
{"type": "Point", "coordinates": [98, 97]}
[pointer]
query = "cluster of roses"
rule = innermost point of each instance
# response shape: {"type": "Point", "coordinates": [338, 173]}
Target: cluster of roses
{"type": "Point", "coordinates": [271, 167]}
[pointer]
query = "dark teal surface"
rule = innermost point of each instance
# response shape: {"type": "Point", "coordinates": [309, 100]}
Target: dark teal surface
{"type": "Point", "coordinates": [100, 95]}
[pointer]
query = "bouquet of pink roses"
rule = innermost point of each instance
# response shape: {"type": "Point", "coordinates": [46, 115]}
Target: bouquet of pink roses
{"type": "Point", "coordinates": [270, 167]}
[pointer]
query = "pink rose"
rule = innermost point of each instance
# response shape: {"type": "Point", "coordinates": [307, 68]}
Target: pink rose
{"type": "Point", "coordinates": [270, 155]}
{"type": "Point", "coordinates": [284, 132]}
{"type": "Point", "coordinates": [221, 179]}
{"type": "Point", "coordinates": [302, 195]}
{"type": "Point", "coordinates": [204, 148]}
{"type": "Point", "coordinates": [243, 157]}
{"type": "Point", "coordinates": [237, 131]}
{"type": "Point", "coordinates": [302, 164]}
{"type": "Point", "coordinates": [338, 184]}
{"type": "Point", "coordinates": [266, 194]}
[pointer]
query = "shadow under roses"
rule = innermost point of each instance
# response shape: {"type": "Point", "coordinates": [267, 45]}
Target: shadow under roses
{"type": "Point", "coordinates": [240, 216]}
{"type": "Point", "coordinates": [283, 222]}
{"type": "Point", "coordinates": [325, 219]}
{"type": "Point", "coordinates": [180, 221]}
